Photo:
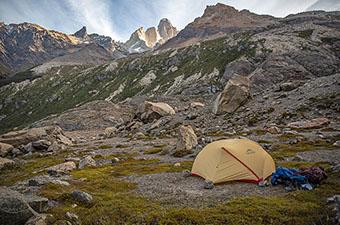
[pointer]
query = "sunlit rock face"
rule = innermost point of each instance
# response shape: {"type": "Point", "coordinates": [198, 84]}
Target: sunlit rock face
{"type": "Point", "coordinates": [141, 40]}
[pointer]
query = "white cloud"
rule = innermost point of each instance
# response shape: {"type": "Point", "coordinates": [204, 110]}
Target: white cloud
{"type": "Point", "coordinates": [95, 15]}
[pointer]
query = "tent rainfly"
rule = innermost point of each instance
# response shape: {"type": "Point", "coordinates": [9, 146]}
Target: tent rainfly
{"type": "Point", "coordinates": [233, 159]}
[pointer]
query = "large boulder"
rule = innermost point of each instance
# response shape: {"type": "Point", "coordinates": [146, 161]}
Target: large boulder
{"type": "Point", "coordinates": [309, 124]}
{"type": "Point", "coordinates": [5, 163]}
{"type": "Point", "coordinates": [5, 149]}
{"type": "Point", "coordinates": [23, 137]}
{"type": "Point", "coordinates": [234, 95]}
{"type": "Point", "coordinates": [150, 111]}
{"type": "Point", "coordinates": [13, 207]}
{"type": "Point", "coordinates": [187, 140]}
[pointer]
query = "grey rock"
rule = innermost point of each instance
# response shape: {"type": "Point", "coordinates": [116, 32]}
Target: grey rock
{"type": "Point", "coordinates": [82, 197]}
{"type": "Point", "coordinates": [62, 168]}
{"type": "Point", "coordinates": [73, 218]}
{"type": "Point", "coordinates": [41, 145]}
{"type": "Point", "coordinates": [87, 161]}
{"type": "Point", "coordinates": [187, 140]}
{"type": "Point", "coordinates": [208, 184]}
{"type": "Point", "coordinates": [39, 204]}
{"type": "Point", "coordinates": [13, 208]}
{"type": "Point", "coordinates": [234, 95]}
{"type": "Point", "coordinates": [40, 219]}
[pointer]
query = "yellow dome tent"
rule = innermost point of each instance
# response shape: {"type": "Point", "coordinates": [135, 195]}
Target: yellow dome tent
{"type": "Point", "coordinates": [233, 159]}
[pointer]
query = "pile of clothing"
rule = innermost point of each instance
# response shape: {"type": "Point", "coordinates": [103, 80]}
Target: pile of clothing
{"type": "Point", "coordinates": [305, 179]}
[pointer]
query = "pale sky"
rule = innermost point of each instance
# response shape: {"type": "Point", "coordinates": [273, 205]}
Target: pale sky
{"type": "Point", "coordinates": [119, 18]}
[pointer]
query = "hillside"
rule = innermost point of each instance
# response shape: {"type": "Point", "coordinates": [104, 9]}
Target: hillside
{"type": "Point", "coordinates": [195, 131]}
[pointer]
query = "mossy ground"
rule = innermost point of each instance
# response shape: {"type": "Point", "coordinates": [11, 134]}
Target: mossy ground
{"type": "Point", "coordinates": [116, 203]}
{"type": "Point", "coordinates": [30, 168]}
{"type": "Point", "coordinates": [281, 151]}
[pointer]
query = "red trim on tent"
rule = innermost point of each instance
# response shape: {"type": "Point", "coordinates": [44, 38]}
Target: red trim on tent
{"type": "Point", "coordinates": [251, 181]}
{"type": "Point", "coordinates": [195, 174]}
{"type": "Point", "coordinates": [246, 180]}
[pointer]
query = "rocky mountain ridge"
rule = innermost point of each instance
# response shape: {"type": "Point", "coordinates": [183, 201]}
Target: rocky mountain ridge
{"type": "Point", "coordinates": [26, 45]}
{"type": "Point", "coordinates": [218, 20]}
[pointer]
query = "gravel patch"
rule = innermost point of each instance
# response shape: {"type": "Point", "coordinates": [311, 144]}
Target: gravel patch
{"type": "Point", "coordinates": [175, 189]}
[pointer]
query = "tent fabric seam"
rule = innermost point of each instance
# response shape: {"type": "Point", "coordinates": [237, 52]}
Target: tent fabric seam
{"type": "Point", "coordinates": [245, 165]}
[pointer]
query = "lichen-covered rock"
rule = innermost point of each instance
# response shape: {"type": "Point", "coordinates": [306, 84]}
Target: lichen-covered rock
{"type": "Point", "coordinates": [13, 208]}
{"type": "Point", "coordinates": [234, 95]}
{"type": "Point", "coordinates": [187, 140]}
{"type": "Point", "coordinates": [5, 149]}
{"type": "Point", "coordinates": [62, 168]}
{"type": "Point", "coordinates": [40, 219]}
{"type": "Point", "coordinates": [86, 162]}
{"type": "Point", "coordinates": [38, 204]}
{"type": "Point", "coordinates": [5, 163]}
{"type": "Point", "coordinates": [110, 132]}
{"type": "Point", "coordinates": [82, 197]}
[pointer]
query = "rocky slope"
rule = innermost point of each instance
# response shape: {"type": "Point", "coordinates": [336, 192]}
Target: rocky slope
{"type": "Point", "coordinates": [218, 20]}
{"type": "Point", "coordinates": [142, 40]}
{"type": "Point", "coordinates": [301, 49]}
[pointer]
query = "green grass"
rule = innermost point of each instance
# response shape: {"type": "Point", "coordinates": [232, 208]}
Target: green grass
{"type": "Point", "coordinates": [153, 151]}
{"type": "Point", "coordinates": [105, 146]}
{"type": "Point", "coordinates": [115, 203]}
{"type": "Point", "coordinates": [281, 151]}
{"type": "Point", "coordinates": [32, 167]}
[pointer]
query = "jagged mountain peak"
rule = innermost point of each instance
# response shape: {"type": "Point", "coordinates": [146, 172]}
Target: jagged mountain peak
{"type": "Point", "coordinates": [218, 20]}
{"type": "Point", "coordinates": [142, 40]}
{"type": "Point", "coordinates": [82, 33]}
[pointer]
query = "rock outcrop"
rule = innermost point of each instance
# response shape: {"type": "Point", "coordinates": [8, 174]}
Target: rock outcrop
{"type": "Point", "coordinates": [23, 137]}
{"type": "Point", "coordinates": [235, 94]}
